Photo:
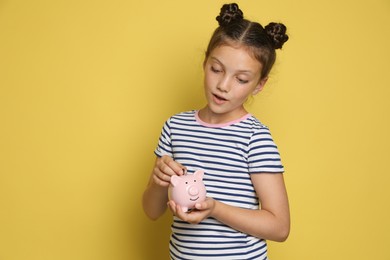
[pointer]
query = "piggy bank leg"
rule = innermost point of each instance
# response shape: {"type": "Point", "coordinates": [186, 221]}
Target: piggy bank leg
{"type": "Point", "coordinates": [185, 209]}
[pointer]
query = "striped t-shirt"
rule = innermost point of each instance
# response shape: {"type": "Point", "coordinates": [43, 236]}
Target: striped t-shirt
{"type": "Point", "coordinates": [228, 154]}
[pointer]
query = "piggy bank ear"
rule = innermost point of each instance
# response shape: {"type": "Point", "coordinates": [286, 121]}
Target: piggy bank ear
{"type": "Point", "coordinates": [199, 174]}
{"type": "Point", "coordinates": [175, 180]}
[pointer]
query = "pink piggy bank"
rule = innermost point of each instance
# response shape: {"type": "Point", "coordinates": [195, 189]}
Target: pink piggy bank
{"type": "Point", "coordinates": [187, 190]}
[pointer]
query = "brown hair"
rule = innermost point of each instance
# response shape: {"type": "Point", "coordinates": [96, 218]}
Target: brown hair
{"type": "Point", "coordinates": [260, 41]}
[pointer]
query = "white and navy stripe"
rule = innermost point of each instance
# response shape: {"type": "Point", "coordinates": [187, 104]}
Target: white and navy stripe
{"type": "Point", "coordinates": [228, 154]}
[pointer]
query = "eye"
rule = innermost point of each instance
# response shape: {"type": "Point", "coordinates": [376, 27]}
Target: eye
{"type": "Point", "coordinates": [242, 81]}
{"type": "Point", "coordinates": [216, 70]}
{"type": "Point", "coordinates": [194, 180]}
{"type": "Point", "coordinates": [186, 182]}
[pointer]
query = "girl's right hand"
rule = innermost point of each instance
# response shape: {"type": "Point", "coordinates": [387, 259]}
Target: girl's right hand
{"type": "Point", "coordinates": [164, 168]}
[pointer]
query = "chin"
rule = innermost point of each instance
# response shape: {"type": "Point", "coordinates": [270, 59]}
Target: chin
{"type": "Point", "coordinates": [215, 109]}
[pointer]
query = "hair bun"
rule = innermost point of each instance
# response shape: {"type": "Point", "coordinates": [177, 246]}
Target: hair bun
{"type": "Point", "coordinates": [277, 34]}
{"type": "Point", "coordinates": [229, 13]}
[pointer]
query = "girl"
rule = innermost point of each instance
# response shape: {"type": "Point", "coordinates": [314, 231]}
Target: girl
{"type": "Point", "coordinates": [246, 196]}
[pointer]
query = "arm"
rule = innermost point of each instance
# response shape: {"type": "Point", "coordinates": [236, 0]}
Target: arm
{"type": "Point", "coordinates": [155, 197]}
{"type": "Point", "coordinates": [271, 222]}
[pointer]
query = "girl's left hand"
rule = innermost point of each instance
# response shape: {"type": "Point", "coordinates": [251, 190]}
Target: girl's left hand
{"type": "Point", "coordinates": [201, 211]}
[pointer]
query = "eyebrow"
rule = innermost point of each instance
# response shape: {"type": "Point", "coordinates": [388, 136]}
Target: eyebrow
{"type": "Point", "coordinates": [240, 71]}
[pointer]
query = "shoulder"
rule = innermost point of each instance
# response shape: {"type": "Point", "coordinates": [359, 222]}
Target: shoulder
{"type": "Point", "coordinates": [259, 131]}
{"type": "Point", "coordinates": [254, 124]}
{"type": "Point", "coordinates": [182, 117]}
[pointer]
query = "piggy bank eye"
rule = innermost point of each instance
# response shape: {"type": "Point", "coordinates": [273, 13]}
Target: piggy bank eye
{"type": "Point", "coordinates": [194, 180]}
{"type": "Point", "coordinates": [186, 182]}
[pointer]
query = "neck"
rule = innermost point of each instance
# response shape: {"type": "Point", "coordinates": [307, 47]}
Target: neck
{"type": "Point", "coordinates": [210, 117]}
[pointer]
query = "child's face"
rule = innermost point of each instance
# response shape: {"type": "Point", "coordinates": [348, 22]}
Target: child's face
{"type": "Point", "coordinates": [231, 75]}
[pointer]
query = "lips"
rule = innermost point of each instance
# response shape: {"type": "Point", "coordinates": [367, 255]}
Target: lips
{"type": "Point", "coordinates": [218, 99]}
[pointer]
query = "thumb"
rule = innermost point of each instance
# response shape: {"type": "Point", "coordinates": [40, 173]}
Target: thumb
{"type": "Point", "coordinates": [201, 205]}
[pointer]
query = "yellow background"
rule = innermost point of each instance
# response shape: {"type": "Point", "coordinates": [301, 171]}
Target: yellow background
{"type": "Point", "coordinates": [85, 87]}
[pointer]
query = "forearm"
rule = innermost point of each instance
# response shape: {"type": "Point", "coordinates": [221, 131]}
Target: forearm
{"type": "Point", "coordinates": [154, 200]}
{"type": "Point", "coordinates": [259, 223]}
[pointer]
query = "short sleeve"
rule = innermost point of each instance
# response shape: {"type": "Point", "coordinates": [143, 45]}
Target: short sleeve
{"type": "Point", "coordinates": [164, 146]}
{"type": "Point", "coordinates": [263, 154]}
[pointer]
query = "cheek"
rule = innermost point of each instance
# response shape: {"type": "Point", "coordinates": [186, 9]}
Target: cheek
{"type": "Point", "coordinates": [208, 81]}
{"type": "Point", "coordinates": [243, 94]}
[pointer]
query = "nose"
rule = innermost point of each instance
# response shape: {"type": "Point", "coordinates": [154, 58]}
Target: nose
{"type": "Point", "coordinates": [224, 84]}
{"type": "Point", "coordinates": [193, 191]}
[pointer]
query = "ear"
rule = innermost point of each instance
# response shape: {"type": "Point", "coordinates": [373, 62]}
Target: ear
{"type": "Point", "coordinates": [199, 174]}
{"type": "Point", "coordinates": [260, 86]}
{"type": "Point", "coordinates": [175, 180]}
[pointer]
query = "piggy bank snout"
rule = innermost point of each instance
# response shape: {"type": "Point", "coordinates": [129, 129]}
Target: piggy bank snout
{"type": "Point", "coordinates": [193, 190]}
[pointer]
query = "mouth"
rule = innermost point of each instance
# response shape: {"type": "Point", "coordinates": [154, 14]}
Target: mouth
{"type": "Point", "coordinates": [218, 99]}
{"type": "Point", "coordinates": [194, 199]}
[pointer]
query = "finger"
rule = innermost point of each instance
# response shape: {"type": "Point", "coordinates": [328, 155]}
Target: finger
{"type": "Point", "coordinates": [207, 204]}
{"type": "Point", "coordinates": [158, 173]}
{"type": "Point", "coordinates": [199, 206]}
{"type": "Point", "coordinates": [163, 168]}
{"type": "Point", "coordinates": [160, 182]}
{"type": "Point", "coordinates": [180, 213]}
{"type": "Point", "coordinates": [170, 167]}
{"type": "Point", "coordinates": [172, 206]}
{"type": "Point", "coordinates": [177, 168]}
{"type": "Point", "coordinates": [193, 217]}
